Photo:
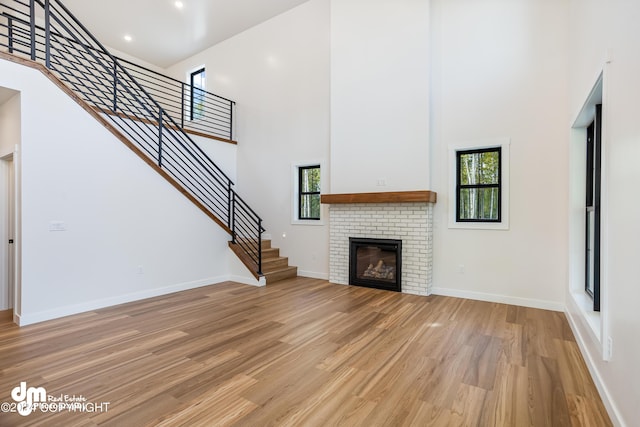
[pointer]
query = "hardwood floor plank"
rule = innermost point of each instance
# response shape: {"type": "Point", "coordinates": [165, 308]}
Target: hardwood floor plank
{"type": "Point", "coordinates": [508, 403]}
{"type": "Point", "coordinates": [358, 345]}
{"type": "Point", "coordinates": [483, 366]}
{"type": "Point", "coordinates": [547, 390]}
{"type": "Point", "coordinates": [586, 412]}
{"type": "Point", "coordinates": [304, 352]}
{"type": "Point", "coordinates": [575, 381]}
{"type": "Point", "coordinates": [515, 344]}
{"type": "Point", "coordinates": [469, 405]}
{"type": "Point", "coordinates": [320, 407]}
{"type": "Point", "coordinates": [223, 404]}
{"type": "Point", "coordinates": [439, 384]}
{"type": "Point", "coordinates": [353, 411]}
{"type": "Point", "coordinates": [540, 332]}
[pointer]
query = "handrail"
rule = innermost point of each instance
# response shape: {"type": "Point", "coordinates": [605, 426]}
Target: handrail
{"type": "Point", "coordinates": [216, 114]}
{"type": "Point", "coordinates": [163, 76]}
{"type": "Point", "coordinates": [65, 47]}
{"type": "Point", "coordinates": [216, 120]}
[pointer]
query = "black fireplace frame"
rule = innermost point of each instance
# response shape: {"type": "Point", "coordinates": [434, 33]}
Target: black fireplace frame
{"type": "Point", "coordinates": [384, 244]}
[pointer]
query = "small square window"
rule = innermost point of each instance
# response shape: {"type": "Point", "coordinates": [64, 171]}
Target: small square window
{"type": "Point", "coordinates": [478, 195]}
{"type": "Point", "coordinates": [478, 185]}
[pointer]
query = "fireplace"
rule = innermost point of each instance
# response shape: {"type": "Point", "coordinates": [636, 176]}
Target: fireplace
{"type": "Point", "coordinates": [375, 263]}
{"type": "Point", "coordinates": [406, 215]}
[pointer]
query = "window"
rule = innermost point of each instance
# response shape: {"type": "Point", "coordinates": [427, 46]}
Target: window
{"type": "Point", "coordinates": [197, 84]}
{"type": "Point", "coordinates": [592, 212]}
{"type": "Point", "coordinates": [309, 192]}
{"type": "Point", "coordinates": [478, 185]}
{"type": "Point", "coordinates": [307, 182]}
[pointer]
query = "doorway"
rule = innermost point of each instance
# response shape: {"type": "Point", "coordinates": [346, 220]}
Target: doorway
{"type": "Point", "coordinates": [7, 208]}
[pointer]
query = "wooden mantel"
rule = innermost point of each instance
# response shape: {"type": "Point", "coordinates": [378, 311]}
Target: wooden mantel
{"type": "Point", "coordinates": [388, 197]}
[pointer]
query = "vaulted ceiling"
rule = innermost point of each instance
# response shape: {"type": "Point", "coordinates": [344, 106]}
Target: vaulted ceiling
{"type": "Point", "coordinates": [162, 33]}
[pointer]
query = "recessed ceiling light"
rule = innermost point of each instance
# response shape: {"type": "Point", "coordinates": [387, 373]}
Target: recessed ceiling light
{"type": "Point", "coordinates": [179, 4]}
{"type": "Point", "coordinates": [128, 38]}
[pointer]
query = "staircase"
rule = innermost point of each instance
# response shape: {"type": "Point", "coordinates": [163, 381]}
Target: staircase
{"type": "Point", "coordinates": [274, 267]}
{"type": "Point", "coordinates": [105, 86]}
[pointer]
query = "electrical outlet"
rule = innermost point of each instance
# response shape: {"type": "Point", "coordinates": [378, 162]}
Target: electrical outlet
{"type": "Point", "coordinates": [460, 269]}
{"type": "Point", "coordinates": [140, 269]}
{"type": "Point", "coordinates": [609, 349]}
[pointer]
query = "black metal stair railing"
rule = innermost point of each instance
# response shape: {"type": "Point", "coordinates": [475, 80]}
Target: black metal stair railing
{"type": "Point", "coordinates": [65, 47]}
{"type": "Point", "coordinates": [215, 116]}
{"type": "Point", "coordinates": [214, 113]}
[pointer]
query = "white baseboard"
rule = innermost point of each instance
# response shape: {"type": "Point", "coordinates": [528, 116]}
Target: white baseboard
{"type": "Point", "coordinates": [30, 318]}
{"type": "Point", "coordinates": [313, 275]}
{"type": "Point", "coordinates": [248, 280]}
{"type": "Point", "coordinates": [503, 299]}
{"type": "Point", "coordinates": [605, 395]}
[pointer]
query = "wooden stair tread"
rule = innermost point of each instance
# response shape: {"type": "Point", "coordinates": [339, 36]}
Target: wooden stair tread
{"type": "Point", "coordinates": [272, 264]}
{"type": "Point", "coordinates": [274, 267]}
{"type": "Point", "coordinates": [281, 274]}
{"type": "Point", "coordinates": [270, 253]}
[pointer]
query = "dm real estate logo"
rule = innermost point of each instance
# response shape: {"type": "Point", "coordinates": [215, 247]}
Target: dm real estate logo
{"type": "Point", "coordinates": [28, 399]}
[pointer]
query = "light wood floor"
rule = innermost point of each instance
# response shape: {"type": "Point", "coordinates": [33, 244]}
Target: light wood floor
{"type": "Point", "coordinates": [304, 352]}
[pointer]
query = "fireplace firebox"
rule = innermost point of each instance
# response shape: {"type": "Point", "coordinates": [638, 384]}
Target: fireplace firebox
{"type": "Point", "coordinates": [375, 263]}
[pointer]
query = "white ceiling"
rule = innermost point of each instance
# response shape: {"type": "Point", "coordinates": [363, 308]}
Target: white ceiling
{"type": "Point", "coordinates": [163, 34]}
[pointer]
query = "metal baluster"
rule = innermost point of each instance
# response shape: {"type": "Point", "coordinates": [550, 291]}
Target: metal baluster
{"type": "Point", "coordinates": [229, 206]}
{"type": "Point", "coordinates": [259, 246]}
{"type": "Point", "coordinates": [232, 213]}
{"type": "Point", "coordinates": [182, 105]}
{"type": "Point", "coordinates": [231, 104]}
{"type": "Point", "coordinates": [47, 34]}
{"type": "Point", "coordinates": [160, 138]}
{"type": "Point", "coordinates": [115, 85]}
{"type": "Point", "coordinates": [10, 34]}
{"type": "Point", "coordinates": [32, 7]}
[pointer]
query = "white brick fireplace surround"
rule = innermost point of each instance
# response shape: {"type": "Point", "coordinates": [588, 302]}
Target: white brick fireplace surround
{"type": "Point", "coordinates": [406, 216]}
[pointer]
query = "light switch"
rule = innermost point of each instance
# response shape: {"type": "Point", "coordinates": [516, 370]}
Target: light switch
{"type": "Point", "coordinates": [57, 226]}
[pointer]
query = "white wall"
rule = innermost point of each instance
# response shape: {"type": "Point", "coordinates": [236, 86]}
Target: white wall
{"type": "Point", "coordinates": [129, 234]}
{"type": "Point", "coordinates": [608, 29]}
{"type": "Point", "coordinates": [223, 154]}
{"type": "Point", "coordinates": [379, 95]}
{"type": "Point", "coordinates": [500, 71]}
{"type": "Point", "coordinates": [278, 73]}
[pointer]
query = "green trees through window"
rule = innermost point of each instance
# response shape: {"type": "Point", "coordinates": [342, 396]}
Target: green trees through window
{"type": "Point", "coordinates": [478, 185]}
{"type": "Point", "coordinates": [309, 192]}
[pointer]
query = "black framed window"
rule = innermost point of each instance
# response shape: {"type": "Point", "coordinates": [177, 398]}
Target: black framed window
{"type": "Point", "coordinates": [197, 85]}
{"type": "Point", "coordinates": [479, 185]}
{"type": "Point", "coordinates": [592, 211]}
{"type": "Point", "coordinates": [309, 192]}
